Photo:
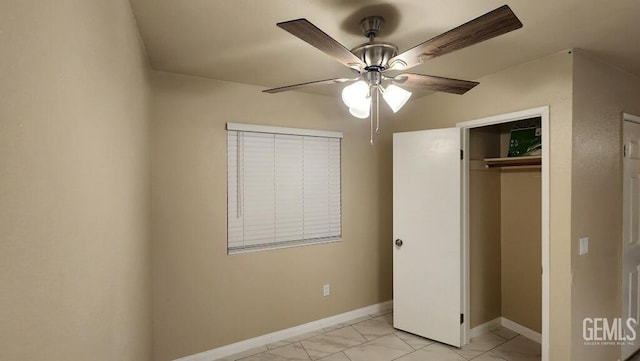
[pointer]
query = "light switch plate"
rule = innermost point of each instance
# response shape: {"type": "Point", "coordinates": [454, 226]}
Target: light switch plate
{"type": "Point", "coordinates": [584, 246]}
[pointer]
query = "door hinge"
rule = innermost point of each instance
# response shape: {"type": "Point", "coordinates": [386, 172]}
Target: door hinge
{"type": "Point", "coordinates": [461, 318]}
{"type": "Point", "coordinates": [624, 151]}
{"type": "Point", "coordinates": [461, 154]}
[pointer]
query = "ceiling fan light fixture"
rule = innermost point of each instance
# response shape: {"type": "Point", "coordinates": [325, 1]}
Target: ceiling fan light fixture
{"type": "Point", "coordinates": [356, 95]}
{"type": "Point", "coordinates": [373, 58]}
{"type": "Point", "coordinates": [396, 97]}
{"type": "Point", "coordinates": [362, 113]}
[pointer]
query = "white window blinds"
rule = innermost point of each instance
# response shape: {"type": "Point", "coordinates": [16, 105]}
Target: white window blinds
{"type": "Point", "coordinates": [283, 188]}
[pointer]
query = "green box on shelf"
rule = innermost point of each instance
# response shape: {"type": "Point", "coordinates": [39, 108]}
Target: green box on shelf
{"type": "Point", "coordinates": [525, 142]}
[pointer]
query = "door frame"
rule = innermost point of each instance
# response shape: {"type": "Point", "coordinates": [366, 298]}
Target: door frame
{"type": "Point", "coordinates": [543, 113]}
{"type": "Point", "coordinates": [626, 117]}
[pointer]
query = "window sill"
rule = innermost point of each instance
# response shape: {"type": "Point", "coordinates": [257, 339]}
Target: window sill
{"type": "Point", "coordinates": [280, 246]}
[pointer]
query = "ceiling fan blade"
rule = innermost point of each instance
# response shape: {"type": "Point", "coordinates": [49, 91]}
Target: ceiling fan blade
{"type": "Point", "coordinates": [311, 83]}
{"type": "Point", "coordinates": [317, 38]}
{"type": "Point", "coordinates": [435, 83]}
{"type": "Point", "coordinates": [497, 22]}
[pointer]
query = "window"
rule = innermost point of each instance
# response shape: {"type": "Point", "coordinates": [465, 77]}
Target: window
{"type": "Point", "coordinates": [283, 187]}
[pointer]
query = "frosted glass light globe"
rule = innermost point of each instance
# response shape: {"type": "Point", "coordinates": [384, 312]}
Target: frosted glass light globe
{"type": "Point", "coordinates": [395, 97]}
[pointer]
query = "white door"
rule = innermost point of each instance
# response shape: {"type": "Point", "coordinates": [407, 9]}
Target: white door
{"type": "Point", "coordinates": [427, 234]}
{"type": "Point", "coordinates": [631, 231]}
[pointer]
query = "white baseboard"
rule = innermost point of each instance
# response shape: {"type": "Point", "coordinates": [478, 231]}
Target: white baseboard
{"type": "Point", "coordinates": [485, 327]}
{"type": "Point", "coordinates": [505, 322]}
{"type": "Point", "coordinates": [526, 332]}
{"type": "Point", "coordinates": [263, 340]}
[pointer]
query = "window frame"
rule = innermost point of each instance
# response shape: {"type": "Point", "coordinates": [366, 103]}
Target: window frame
{"type": "Point", "coordinates": [237, 197]}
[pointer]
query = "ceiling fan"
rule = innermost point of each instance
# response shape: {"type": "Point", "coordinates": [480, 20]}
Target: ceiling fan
{"type": "Point", "coordinates": [374, 59]}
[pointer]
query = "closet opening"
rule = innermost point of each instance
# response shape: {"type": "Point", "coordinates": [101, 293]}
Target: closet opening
{"type": "Point", "coordinates": [505, 224]}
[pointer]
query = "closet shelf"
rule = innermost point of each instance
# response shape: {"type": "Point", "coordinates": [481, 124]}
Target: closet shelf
{"type": "Point", "coordinates": [513, 162]}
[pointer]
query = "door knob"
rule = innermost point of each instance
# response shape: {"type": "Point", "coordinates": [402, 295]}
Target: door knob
{"type": "Point", "coordinates": [399, 242]}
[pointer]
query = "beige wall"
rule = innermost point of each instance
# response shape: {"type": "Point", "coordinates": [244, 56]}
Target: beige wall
{"type": "Point", "coordinates": [484, 246]}
{"type": "Point", "coordinates": [521, 235]}
{"type": "Point", "coordinates": [484, 227]}
{"type": "Point", "coordinates": [601, 94]}
{"type": "Point", "coordinates": [504, 234]}
{"type": "Point", "coordinates": [74, 245]}
{"type": "Point", "coordinates": [204, 298]}
{"type": "Point", "coordinates": [547, 81]}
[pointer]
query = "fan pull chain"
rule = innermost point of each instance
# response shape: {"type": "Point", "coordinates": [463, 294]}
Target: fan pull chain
{"type": "Point", "coordinates": [371, 116]}
{"type": "Point", "coordinates": [378, 111]}
{"type": "Point", "coordinates": [371, 124]}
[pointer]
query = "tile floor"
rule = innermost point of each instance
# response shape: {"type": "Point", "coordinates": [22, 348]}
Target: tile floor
{"type": "Point", "coordinates": [373, 338]}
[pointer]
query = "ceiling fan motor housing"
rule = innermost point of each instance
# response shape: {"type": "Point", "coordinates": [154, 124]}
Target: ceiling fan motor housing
{"type": "Point", "coordinates": [375, 54]}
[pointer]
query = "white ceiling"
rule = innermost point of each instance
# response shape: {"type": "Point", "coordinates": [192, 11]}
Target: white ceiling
{"type": "Point", "coordinates": [238, 41]}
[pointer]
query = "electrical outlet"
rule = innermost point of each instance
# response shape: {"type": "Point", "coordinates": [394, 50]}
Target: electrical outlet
{"type": "Point", "coordinates": [326, 290]}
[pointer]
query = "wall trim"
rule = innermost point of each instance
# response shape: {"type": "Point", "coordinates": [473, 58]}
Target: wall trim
{"type": "Point", "coordinates": [263, 340]}
{"type": "Point", "coordinates": [524, 331]}
{"type": "Point", "coordinates": [483, 328]}
{"type": "Point", "coordinates": [506, 323]}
